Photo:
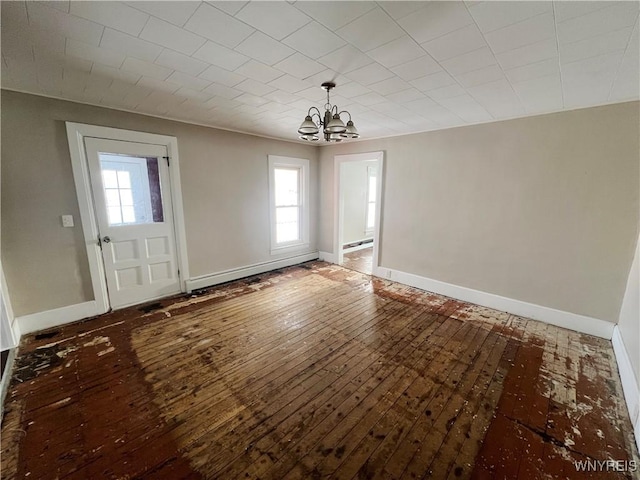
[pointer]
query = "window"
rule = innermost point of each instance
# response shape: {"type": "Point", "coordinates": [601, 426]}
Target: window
{"type": "Point", "coordinates": [371, 199]}
{"type": "Point", "coordinates": [289, 205]}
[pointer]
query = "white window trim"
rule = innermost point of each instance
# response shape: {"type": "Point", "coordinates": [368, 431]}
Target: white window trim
{"type": "Point", "coordinates": [371, 172]}
{"type": "Point", "coordinates": [276, 161]}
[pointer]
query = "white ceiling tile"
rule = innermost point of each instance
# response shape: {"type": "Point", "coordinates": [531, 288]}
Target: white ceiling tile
{"type": "Point", "coordinates": [116, 15]}
{"type": "Point", "coordinates": [400, 9]}
{"type": "Point", "coordinates": [351, 89]}
{"type": "Point", "coordinates": [180, 62]}
{"type": "Point", "coordinates": [221, 76]}
{"type": "Point", "coordinates": [188, 81]}
{"type": "Point", "coordinates": [276, 19]}
{"type": "Point", "coordinates": [486, 74]}
{"type": "Point", "coordinates": [345, 59]}
{"type": "Point", "coordinates": [299, 66]}
{"type": "Point", "coordinates": [222, 91]}
{"type": "Point", "coordinates": [229, 6]}
{"type": "Point", "coordinates": [62, 5]}
{"type": "Point", "coordinates": [454, 90]}
{"type": "Point", "coordinates": [532, 53]}
{"type": "Point", "coordinates": [498, 98]}
{"type": "Point", "coordinates": [252, 86]}
{"type": "Point", "coordinates": [327, 75]}
{"type": "Point", "coordinates": [211, 23]}
{"type": "Point", "coordinates": [313, 94]}
{"type": "Point", "coordinates": [373, 29]}
{"type": "Point", "coordinates": [615, 17]}
{"type": "Point", "coordinates": [115, 74]}
{"type": "Point", "coordinates": [195, 95]}
{"type": "Point", "coordinates": [534, 70]}
{"type": "Point", "coordinates": [370, 74]}
{"type": "Point", "coordinates": [593, 46]}
{"type": "Point", "coordinates": [417, 68]}
{"type": "Point", "coordinates": [70, 26]}
{"type": "Point", "coordinates": [250, 99]}
{"type": "Point", "coordinates": [465, 107]}
{"type": "Point", "coordinates": [465, 40]}
{"type": "Point", "coordinates": [540, 94]}
{"type": "Point", "coordinates": [607, 63]}
{"type": "Point", "coordinates": [627, 83]}
{"type": "Point", "coordinates": [400, 50]}
{"type": "Point", "coordinates": [314, 40]}
{"type": "Point", "coordinates": [14, 17]}
{"type": "Point", "coordinates": [135, 65]}
{"type": "Point", "coordinates": [434, 80]}
{"type": "Point", "coordinates": [130, 46]}
{"type": "Point", "coordinates": [264, 48]}
{"type": "Point", "coordinates": [281, 96]}
{"type": "Point", "coordinates": [390, 85]}
{"type": "Point", "coordinates": [221, 56]}
{"type": "Point", "coordinates": [91, 53]}
{"type": "Point", "coordinates": [176, 12]}
{"type": "Point", "coordinates": [492, 16]}
{"type": "Point", "coordinates": [567, 10]}
{"type": "Point", "coordinates": [168, 35]}
{"type": "Point", "coordinates": [405, 96]}
{"type": "Point", "coordinates": [369, 99]}
{"type": "Point", "coordinates": [592, 87]}
{"type": "Point", "coordinates": [338, 14]}
{"type": "Point", "coordinates": [532, 30]}
{"type": "Point", "coordinates": [159, 85]}
{"type": "Point", "coordinates": [289, 83]}
{"type": "Point", "coordinates": [258, 71]}
{"type": "Point", "coordinates": [436, 19]}
{"type": "Point", "coordinates": [468, 62]}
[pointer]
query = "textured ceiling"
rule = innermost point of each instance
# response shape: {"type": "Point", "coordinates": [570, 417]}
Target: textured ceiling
{"type": "Point", "coordinates": [256, 67]}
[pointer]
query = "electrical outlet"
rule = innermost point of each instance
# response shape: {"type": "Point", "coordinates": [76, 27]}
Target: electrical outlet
{"type": "Point", "coordinates": [67, 220]}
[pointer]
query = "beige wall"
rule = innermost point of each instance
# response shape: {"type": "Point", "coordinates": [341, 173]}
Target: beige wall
{"type": "Point", "coordinates": [540, 209]}
{"type": "Point", "coordinates": [354, 180]}
{"type": "Point", "coordinates": [629, 322]}
{"type": "Point", "coordinates": [224, 186]}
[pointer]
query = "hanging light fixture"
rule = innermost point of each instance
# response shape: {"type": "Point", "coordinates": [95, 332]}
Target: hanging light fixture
{"type": "Point", "coordinates": [333, 128]}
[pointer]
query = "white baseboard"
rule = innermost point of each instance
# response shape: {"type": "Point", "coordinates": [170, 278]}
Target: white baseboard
{"type": "Point", "coordinates": [630, 384]}
{"type": "Point", "coordinates": [56, 317]}
{"type": "Point", "coordinates": [6, 378]}
{"type": "Point", "coordinates": [358, 247]}
{"type": "Point", "coordinates": [328, 257]}
{"type": "Point", "coordinates": [230, 275]}
{"type": "Point", "coordinates": [560, 318]}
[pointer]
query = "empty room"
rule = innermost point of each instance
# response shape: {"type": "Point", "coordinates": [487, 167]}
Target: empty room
{"type": "Point", "coordinates": [320, 239]}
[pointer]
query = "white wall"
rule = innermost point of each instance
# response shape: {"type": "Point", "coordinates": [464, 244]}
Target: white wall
{"type": "Point", "coordinates": [542, 210]}
{"type": "Point", "coordinates": [629, 322]}
{"type": "Point", "coordinates": [354, 185]}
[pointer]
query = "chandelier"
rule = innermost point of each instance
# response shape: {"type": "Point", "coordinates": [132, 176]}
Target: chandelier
{"type": "Point", "coordinates": [333, 128]}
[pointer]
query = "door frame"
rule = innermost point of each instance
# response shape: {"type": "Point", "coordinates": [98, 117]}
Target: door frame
{"type": "Point", "coordinates": [338, 203]}
{"type": "Point", "coordinates": [76, 132]}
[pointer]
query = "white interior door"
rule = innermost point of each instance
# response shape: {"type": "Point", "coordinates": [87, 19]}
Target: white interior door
{"type": "Point", "coordinates": [132, 198]}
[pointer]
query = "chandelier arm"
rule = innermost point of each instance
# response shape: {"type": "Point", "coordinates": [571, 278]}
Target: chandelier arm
{"type": "Point", "coordinates": [345, 111]}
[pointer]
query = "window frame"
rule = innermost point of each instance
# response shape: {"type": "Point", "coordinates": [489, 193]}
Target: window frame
{"type": "Point", "coordinates": [302, 165]}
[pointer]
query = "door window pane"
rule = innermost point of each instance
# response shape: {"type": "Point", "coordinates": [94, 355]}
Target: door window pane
{"type": "Point", "coordinates": [131, 189]}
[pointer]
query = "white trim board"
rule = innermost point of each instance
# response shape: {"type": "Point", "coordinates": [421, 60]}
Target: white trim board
{"type": "Point", "coordinates": [6, 378]}
{"type": "Point", "coordinates": [560, 318]}
{"type": "Point", "coordinates": [327, 257]}
{"type": "Point", "coordinates": [56, 317]}
{"type": "Point", "coordinates": [630, 385]}
{"type": "Point", "coordinates": [247, 271]}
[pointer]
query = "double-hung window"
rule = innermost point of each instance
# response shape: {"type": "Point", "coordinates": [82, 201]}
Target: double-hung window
{"type": "Point", "coordinates": [289, 203]}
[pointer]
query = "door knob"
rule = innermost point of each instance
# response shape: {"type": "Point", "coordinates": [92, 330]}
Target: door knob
{"type": "Point", "coordinates": [106, 239]}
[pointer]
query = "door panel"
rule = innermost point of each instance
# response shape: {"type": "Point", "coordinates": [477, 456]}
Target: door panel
{"type": "Point", "coordinates": [132, 198]}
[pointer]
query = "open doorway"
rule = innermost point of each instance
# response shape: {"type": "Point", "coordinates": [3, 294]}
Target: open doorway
{"type": "Point", "coordinates": [359, 195]}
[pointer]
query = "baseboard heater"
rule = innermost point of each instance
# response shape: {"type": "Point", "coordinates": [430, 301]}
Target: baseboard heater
{"type": "Point", "coordinates": [247, 271]}
{"type": "Point", "coordinates": [361, 243]}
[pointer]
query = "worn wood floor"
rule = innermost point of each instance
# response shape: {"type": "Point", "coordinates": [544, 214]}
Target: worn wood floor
{"type": "Point", "coordinates": [313, 372]}
{"type": "Point", "coordinates": [360, 260]}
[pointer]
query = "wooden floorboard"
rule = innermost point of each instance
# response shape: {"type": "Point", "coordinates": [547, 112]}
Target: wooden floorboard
{"type": "Point", "coordinates": [316, 371]}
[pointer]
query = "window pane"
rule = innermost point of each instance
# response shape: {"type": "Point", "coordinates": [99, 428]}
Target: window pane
{"type": "Point", "coordinates": [109, 178]}
{"type": "Point", "coordinates": [115, 217]}
{"type": "Point", "coordinates": [126, 198]}
{"type": "Point", "coordinates": [286, 186]}
{"type": "Point", "coordinates": [371, 215]}
{"type": "Point", "coordinates": [287, 224]}
{"type": "Point", "coordinates": [372, 189]}
{"type": "Point", "coordinates": [132, 182]}
{"type": "Point", "coordinates": [112, 197]}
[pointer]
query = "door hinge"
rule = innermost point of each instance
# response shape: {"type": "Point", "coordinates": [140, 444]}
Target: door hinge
{"type": "Point", "coordinates": [99, 242]}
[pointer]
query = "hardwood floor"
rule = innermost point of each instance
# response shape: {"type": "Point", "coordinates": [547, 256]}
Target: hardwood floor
{"type": "Point", "coordinates": [359, 260]}
{"type": "Point", "coordinates": [313, 372]}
